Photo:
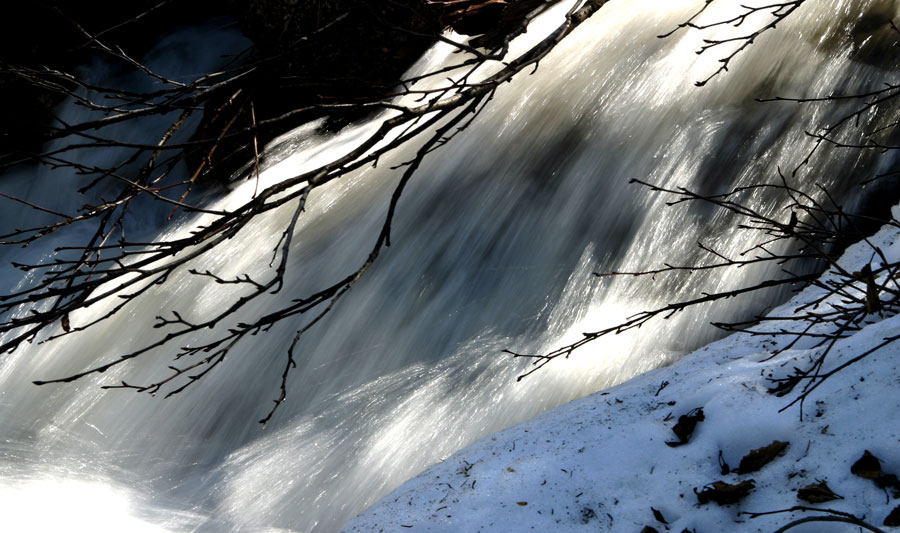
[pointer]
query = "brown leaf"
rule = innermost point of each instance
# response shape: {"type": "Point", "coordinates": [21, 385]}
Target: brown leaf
{"type": "Point", "coordinates": [648, 529]}
{"type": "Point", "coordinates": [868, 466]}
{"type": "Point", "coordinates": [723, 493]}
{"type": "Point", "coordinates": [65, 323]}
{"type": "Point", "coordinates": [817, 493]}
{"type": "Point", "coordinates": [888, 481]}
{"type": "Point", "coordinates": [523, 504]}
{"type": "Point", "coordinates": [893, 519]}
{"type": "Point", "coordinates": [760, 457]}
{"type": "Point", "coordinates": [684, 428]}
{"type": "Point", "coordinates": [786, 385]}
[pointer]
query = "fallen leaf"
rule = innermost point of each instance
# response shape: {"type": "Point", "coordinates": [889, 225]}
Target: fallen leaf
{"type": "Point", "coordinates": [658, 516]}
{"type": "Point", "coordinates": [893, 519]}
{"type": "Point", "coordinates": [868, 466]}
{"type": "Point", "coordinates": [817, 493]}
{"type": "Point", "coordinates": [648, 529]}
{"type": "Point", "coordinates": [685, 426]}
{"type": "Point", "coordinates": [723, 493]}
{"type": "Point", "coordinates": [523, 504]}
{"type": "Point", "coordinates": [888, 481]}
{"type": "Point", "coordinates": [786, 385]}
{"type": "Point", "coordinates": [760, 457]}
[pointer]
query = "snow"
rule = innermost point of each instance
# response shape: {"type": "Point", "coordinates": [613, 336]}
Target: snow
{"type": "Point", "coordinates": [601, 463]}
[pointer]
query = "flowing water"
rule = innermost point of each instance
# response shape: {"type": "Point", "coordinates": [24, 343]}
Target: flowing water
{"type": "Point", "coordinates": [495, 241]}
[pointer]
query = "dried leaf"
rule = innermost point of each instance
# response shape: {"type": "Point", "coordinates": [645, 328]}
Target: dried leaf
{"type": "Point", "coordinates": [523, 504]}
{"type": "Point", "coordinates": [658, 516]}
{"type": "Point", "coordinates": [888, 481]}
{"type": "Point", "coordinates": [893, 519]}
{"type": "Point", "coordinates": [760, 457]}
{"type": "Point", "coordinates": [818, 493]}
{"type": "Point", "coordinates": [723, 493]}
{"type": "Point", "coordinates": [648, 529]}
{"type": "Point", "coordinates": [684, 428]}
{"type": "Point", "coordinates": [786, 385]}
{"type": "Point", "coordinates": [65, 323]}
{"type": "Point", "coordinates": [868, 466]}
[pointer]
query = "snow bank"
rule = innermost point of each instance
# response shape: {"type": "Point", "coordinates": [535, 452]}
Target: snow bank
{"type": "Point", "coordinates": [602, 463]}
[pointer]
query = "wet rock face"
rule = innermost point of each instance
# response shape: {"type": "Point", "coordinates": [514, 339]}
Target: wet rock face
{"type": "Point", "coordinates": [35, 34]}
{"type": "Point", "coordinates": [368, 43]}
{"type": "Point", "coordinates": [47, 31]}
{"type": "Point", "coordinates": [317, 52]}
{"type": "Point", "coordinates": [874, 39]}
{"type": "Point", "coordinates": [309, 52]}
{"type": "Point", "coordinates": [339, 48]}
{"type": "Point", "coordinates": [326, 49]}
{"type": "Point", "coordinates": [863, 31]}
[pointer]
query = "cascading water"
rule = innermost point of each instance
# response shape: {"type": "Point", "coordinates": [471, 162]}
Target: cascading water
{"type": "Point", "coordinates": [494, 244]}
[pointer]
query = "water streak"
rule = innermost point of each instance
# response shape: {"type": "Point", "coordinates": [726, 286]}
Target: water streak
{"type": "Point", "coordinates": [495, 241]}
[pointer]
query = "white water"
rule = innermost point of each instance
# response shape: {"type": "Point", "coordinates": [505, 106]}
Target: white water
{"type": "Point", "coordinates": [495, 241]}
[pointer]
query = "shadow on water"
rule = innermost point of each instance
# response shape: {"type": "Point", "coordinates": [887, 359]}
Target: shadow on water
{"type": "Point", "coordinates": [495, 242]}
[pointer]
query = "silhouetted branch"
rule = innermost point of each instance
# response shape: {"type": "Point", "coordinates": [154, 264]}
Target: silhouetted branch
{"type": "Point", "coordinates": [830, 515]}
{"type": "Point", "coordinates": [110, 267]}
{"type": "Point", "coordinates": [776, 12]}
{"type": "Point", "coordinates": [845, 302]}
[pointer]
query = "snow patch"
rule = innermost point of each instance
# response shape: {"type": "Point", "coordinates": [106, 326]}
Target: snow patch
{"type": "Point", "coordinates": [602, 462]}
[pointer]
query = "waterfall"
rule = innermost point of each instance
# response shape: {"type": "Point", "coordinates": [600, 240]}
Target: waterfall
{"type": "Point", "coordinates": [493, 247]}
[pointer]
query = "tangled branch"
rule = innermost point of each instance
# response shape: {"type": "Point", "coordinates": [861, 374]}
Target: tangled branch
{"type": "Point", "coordinates": [112, 267]}
{"type": "Point", "coordinates": [802, 244]}
{"type": "Point", "coordinates": [827, 515]}
{"type": "Point", "coordinates": [775, 12]}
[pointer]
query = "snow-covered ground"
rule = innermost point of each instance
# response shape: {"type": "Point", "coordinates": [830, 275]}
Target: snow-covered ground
{"type": "Point", "coordinates": [602, 463]}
